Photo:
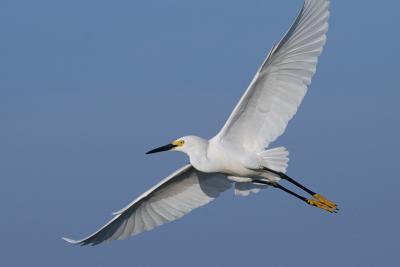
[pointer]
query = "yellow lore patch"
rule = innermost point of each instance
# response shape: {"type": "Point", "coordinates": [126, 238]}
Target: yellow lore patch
{"type": "Point", "coordinates": [178, 143]}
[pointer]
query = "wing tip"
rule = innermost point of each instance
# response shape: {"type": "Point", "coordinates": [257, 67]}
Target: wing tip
{"type": "Point", "coordinates": [115, 213]}
{"type": "Point", "coordinates": [71, 241]}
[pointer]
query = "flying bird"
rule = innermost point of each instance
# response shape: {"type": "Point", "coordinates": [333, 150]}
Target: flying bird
{"type": "Point", "coordinates": [238, 155]}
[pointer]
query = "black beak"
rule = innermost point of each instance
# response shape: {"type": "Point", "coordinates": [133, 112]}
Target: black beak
{"type": "Point", "coordinates": [162, 148]}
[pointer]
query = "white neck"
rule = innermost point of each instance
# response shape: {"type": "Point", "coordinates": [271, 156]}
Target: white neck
{"type": "Point", "coordinates": [196, 148]}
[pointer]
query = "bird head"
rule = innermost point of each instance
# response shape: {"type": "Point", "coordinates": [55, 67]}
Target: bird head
{"type": "Point", "coordinates": [184, 144]}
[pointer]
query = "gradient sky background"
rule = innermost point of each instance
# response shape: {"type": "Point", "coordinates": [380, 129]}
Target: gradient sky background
{"type": "Point", "coordinates": [87, 87]}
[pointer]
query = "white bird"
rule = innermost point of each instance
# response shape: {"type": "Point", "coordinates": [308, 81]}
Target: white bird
{"type": "Point", "coordinates": [237, 155]}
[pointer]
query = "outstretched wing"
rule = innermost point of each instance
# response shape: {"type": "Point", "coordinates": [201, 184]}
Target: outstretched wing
{"type": "Point", "coordinates": [175, 196]}
{"type": "Point", "coordinates": [280, 84]}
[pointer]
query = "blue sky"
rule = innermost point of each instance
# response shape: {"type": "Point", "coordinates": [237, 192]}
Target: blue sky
{"type": "Point", "coordinates": [87, 87]}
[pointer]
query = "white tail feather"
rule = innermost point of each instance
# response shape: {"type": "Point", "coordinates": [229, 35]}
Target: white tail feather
{"type": "Point", "coordinates": [276, 159]}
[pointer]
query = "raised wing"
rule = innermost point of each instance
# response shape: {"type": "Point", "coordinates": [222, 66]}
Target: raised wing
{"type": "Point", "coordinates": [175, 196]}
{"type": "Point", "coordinates": [280, 84]}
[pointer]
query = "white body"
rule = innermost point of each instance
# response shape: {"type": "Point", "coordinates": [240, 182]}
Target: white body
{"type": "Point", "coordinates": [236, 155]}
{"type": "Point", "coordinates": [213, 156]}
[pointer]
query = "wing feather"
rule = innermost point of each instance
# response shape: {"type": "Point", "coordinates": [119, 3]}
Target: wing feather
{"type": "Point", "coordinates": [280, 84]}
{"type": "Point", "coordinates": [172, 198]}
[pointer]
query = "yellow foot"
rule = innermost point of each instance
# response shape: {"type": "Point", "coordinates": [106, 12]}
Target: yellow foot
{"type": "Point", "coordinates": [325, 201]}
{"type": "Point", "coordinates": [321, 205]}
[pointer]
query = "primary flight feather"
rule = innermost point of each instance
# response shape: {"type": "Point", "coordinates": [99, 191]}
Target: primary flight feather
{"type": "Point", "coordinates": [237, 154]}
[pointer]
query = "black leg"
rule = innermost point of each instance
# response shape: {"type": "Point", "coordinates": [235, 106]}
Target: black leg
{"type": "Point", "coordinates": [320, 198]}
{"type": "Point", "coordinates": [290, 180]}
{"type": "Point", "coordinates": [311, 202]}
{"type": "Point", "coordinates": [276, 185]}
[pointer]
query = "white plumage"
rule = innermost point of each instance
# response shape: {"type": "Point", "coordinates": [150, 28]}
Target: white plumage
{"type": "Point", "coordinates": [237, 153]}
{"type": "Point", "coordinates": [173, 197]}
{"type": "Point", "coordinates": [280, 84]}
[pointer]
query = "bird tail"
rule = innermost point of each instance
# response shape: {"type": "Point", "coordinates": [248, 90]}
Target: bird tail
{"type": "Point", "coordinates": [275, 159]}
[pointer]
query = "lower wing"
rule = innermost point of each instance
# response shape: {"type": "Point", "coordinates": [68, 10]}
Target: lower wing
{"type": "Point", "coordinates": [172, 198]}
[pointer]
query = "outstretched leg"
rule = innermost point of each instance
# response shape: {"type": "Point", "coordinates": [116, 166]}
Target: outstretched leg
{"type": "Point", "coordinates": [315, 195]}
{"type": "Point", "coordinates": [311, 202]}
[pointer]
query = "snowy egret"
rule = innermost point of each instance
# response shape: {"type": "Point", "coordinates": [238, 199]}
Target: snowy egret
{"type": "Point", "coordinates": [237, 155]}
